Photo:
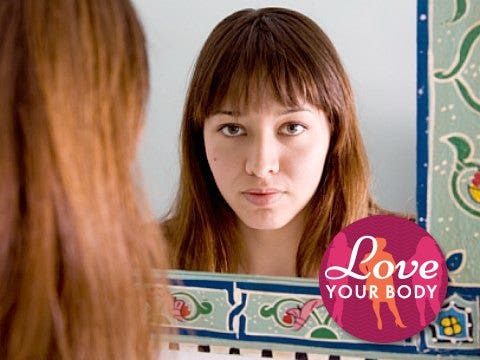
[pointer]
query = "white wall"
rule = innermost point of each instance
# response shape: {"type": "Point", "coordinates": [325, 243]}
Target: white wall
{"type": "Point", "coordinates": [376, 40]}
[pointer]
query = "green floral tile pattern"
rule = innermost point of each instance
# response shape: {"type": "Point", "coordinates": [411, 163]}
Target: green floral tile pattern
{"type": "Point", "coordinates": [454, 133]}
{"type": "Point", "coordinates": [289, 314]}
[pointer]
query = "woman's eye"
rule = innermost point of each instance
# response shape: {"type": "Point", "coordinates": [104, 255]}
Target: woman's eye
{"type": "Point", "coordinates": [292, 129]}
{"type": "Point", "coordinates": [232, 130]}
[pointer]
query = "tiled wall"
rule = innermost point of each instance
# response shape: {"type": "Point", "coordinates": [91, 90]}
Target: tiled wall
{"type": "Point", "coordinates": [286, 314]}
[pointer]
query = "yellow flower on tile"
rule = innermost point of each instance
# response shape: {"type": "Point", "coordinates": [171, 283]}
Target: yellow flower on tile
{"type": "Point", "coordinates": [451, 326]}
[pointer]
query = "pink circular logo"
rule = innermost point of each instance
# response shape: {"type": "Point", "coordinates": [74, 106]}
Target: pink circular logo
{"type": "Point", "coordinates": [383, 279]}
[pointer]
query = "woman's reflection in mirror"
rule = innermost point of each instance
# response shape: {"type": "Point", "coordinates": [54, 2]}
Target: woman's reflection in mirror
{"type": "Point", "coordinates": [272, 164]}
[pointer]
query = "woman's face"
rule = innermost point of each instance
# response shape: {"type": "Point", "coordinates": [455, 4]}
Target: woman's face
{"type": "Point", "coordinates": [267, 161]}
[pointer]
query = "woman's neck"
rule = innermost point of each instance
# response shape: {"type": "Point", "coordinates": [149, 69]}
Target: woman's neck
{"type": "Point", "coordinates": [271, 252]}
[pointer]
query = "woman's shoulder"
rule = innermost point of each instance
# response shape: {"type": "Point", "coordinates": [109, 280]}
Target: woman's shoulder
{"type": "Point", "coordinates": [166, 226]}
{"type": "Point", "coordinates": [375, 209]}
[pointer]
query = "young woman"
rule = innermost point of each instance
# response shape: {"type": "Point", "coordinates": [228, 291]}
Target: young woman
{"type": "Point", "coordinates": [273, 164]}
{"type": "Point", "coordinates": [75, 253]}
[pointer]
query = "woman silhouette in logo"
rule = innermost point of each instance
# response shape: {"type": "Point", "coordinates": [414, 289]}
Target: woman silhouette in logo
{"type": "Point", "coordinates": [425, 249]}
{"type": "Point", "coordinates": [339, 256]}
{"type": "Point", "coordinates": [380, 284]}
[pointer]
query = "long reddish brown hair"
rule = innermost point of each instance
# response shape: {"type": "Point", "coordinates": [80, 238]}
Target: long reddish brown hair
{"type": "Point", "coordinates": [287, 53]}
{"type": "Point", "coordinates": [75, 252]}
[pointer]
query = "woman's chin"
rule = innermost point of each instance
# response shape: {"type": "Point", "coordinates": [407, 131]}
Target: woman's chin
{"type": "Point", "coordinates": [265, 224]}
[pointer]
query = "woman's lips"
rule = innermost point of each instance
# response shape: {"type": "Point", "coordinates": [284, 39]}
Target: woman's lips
{"type": "Point", "coordinates": [262, 197]}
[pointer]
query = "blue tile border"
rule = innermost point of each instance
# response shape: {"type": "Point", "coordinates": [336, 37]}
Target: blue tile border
{"type": "Point", "coordinates": [422, 110]}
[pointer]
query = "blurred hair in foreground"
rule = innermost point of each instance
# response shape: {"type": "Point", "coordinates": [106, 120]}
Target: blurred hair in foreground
{"type": "Point", "coordinates": [76, 253]}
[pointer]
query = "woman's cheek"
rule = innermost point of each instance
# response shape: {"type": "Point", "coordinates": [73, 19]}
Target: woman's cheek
{"type": "Point", "coordinates": [224, 162]}
{"type": "Point", "coordinates": [307, 162]}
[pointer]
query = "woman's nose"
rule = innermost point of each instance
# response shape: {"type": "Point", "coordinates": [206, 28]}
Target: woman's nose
{"type": "Point", "coordinates": [263, 156]}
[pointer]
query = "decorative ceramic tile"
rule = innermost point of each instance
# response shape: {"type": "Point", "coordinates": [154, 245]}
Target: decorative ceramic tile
{"type": "Point", "coordinates": [453, 126]}
{"type": "Point", "coordinates": [287, 314]}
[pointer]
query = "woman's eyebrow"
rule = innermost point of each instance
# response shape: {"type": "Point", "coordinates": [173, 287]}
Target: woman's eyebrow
{"type": "Point", "coordinates": [294, 110]}
{"type": "Point", "coordinates": [226, 112]}
{"type": "Point", "coordinates": [285, 111]}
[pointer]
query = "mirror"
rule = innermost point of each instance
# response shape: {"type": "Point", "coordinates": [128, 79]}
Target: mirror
{"type": "Point", "coordinates": [376, 40]}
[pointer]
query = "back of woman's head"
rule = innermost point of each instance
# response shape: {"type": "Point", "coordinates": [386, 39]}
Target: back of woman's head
{"type": "Point", "coordinates": [73, 249]}
{"type": "Point", "coordinates": [251, 55]}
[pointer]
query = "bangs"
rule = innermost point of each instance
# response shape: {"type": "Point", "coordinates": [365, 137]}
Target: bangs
{"type": "Point", "coordinates": [260, 58]}
{"type": "Point", "coordinates": [265, 77]}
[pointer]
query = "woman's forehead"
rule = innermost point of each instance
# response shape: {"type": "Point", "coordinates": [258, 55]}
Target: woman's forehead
{"type": "Point", "coordinates": [259, 98]}
{"type": "Point", "coordinates": [263, 104]}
